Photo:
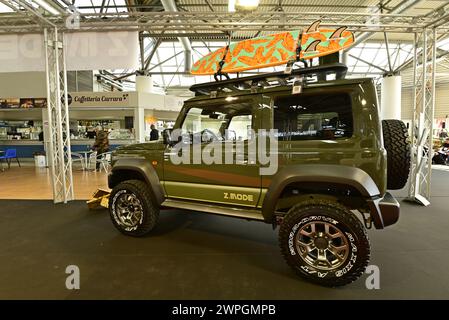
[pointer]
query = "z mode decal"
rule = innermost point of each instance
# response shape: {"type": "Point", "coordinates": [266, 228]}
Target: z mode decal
{"type": "Point", "coordinates": [238, 196]}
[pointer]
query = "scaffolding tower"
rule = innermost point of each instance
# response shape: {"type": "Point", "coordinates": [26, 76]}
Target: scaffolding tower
{"type": "Point", "coordinates": [59, 153]}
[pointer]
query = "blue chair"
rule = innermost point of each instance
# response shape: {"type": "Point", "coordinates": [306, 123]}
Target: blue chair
{"type": "Point", "coordinates": [10, 154]}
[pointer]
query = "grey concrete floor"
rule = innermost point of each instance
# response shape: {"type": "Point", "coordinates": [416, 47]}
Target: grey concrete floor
{"type": "Point", "coordinates": [198, 256]}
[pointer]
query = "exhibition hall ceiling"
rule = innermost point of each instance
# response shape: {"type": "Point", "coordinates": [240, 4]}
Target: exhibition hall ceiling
{"type": "Point", "coordinates": [369, 58]}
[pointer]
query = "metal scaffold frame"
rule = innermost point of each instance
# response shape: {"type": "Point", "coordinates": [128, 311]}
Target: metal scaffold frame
{"type": "Point", "coordinates": [58, 137]}
{"type": "Point", "coordinates": [423, 112]}
{"type": "Point", "coordinates": [60, 160]}
{"type": "Point", "coordinates": [202, 25]}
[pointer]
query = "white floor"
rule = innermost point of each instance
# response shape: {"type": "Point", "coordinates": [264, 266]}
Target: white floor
{"type": "Point", "coordinates": [440, 167]}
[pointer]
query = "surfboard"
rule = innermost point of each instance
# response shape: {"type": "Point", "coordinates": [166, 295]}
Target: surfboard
{"type": "Point", "coordinates": [274, 50]}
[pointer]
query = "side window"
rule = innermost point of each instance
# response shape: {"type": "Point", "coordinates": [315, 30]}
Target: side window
{"type": "Point", "coordinates": [239, 128]}
{"type": "Point", "coordinates": [313, 117]}
{"type": "Point", "coordinates": [231, 121]}
{"type": "Point", "coordinates": [201, 121]}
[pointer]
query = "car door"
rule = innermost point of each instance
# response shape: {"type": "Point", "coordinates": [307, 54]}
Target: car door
{"type": "Point", "coordinates": [234, 180]}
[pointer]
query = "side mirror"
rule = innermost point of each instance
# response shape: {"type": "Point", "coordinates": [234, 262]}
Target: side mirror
{"type": "Point", "coordinates": [166, 136]}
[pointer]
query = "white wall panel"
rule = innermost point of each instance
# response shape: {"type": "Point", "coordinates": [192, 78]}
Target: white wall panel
{"type": "Point", "coordinates": [407, 104]}
{"type": "Point", "coordinates": [441, 102]}
{"type": "Point", "coordinates": [23, 85]}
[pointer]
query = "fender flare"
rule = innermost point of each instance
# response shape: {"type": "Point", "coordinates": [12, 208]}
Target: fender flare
{"type": "Point", "coordinates": [144, 168]}
{"type": "Point", "coordinates": [327, 174]}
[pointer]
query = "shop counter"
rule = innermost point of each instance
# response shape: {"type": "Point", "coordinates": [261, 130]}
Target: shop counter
{"type": "Point", "coordinates": [27, 148]}
{"type": "Point", "coordinates": [84, 144]}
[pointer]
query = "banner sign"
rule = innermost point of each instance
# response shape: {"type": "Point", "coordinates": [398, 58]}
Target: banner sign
{"type": "Point", "coordinates": [102, 50]}
{"type": "Point", "coordinates": [75, 99]}
{"type": "Point", "coordinates": [83, 51]}
{"type": "Point", "coordinates": [23, 103]}
{"type": "Point", "coordinates": [99, 99]}
{"type": "Point", "coordinates": [22, 52]}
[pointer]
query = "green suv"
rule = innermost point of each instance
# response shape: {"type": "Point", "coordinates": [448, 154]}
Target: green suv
{"type": "Point", "coordinates": [305, 151]}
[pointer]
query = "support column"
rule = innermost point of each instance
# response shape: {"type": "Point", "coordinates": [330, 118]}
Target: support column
{"type": "Point", "coordinates": [139, 124]}
{"type": "Point", "coordinates": [144, 84]}
{"type": "Point", "coordinates": [390, 105]}
{"type": "Point", "coordinates": [344, 57]}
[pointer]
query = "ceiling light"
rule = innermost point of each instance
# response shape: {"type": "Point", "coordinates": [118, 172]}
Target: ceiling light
{"type": "Point", "coordinates": [247, 5]}
{"type": "Point", "coordinates": [46, 6]}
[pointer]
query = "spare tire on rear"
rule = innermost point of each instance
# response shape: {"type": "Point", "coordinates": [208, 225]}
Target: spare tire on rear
{"type": "Point", "coordinates": [397, 144]}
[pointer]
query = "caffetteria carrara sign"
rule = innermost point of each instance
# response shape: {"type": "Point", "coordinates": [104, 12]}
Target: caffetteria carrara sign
{"type": "Point", "coordinates": [99, 99]}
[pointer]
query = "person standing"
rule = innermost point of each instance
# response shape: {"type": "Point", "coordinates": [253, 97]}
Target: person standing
{"type": "Point", "coordinates": [154, 134]}
{"type": "Point", "coordinates": [101, 144]}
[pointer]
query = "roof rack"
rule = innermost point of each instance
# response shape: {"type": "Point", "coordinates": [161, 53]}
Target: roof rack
{"type": "Point", "coordinates": [309, 74]}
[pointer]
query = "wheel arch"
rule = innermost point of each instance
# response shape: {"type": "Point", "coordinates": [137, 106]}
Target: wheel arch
{"type": "Point", "coordinates": [139, 169]}
{"type": "Point", "coordinates": [325, 175]}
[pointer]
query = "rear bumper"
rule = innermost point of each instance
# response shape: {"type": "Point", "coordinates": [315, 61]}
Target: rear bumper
{"type": "Point", "coordinates": [384, 211]}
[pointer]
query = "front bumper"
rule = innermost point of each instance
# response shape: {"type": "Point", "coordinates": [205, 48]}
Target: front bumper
{"type": "Point", "coordinates": [384, 211]}
{"type": "Point", "coordinates": [110, 181]}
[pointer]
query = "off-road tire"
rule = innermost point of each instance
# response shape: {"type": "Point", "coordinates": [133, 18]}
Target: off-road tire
{"type": "Point", "coordinates": [150, 212]}
{"type": "Point", "coordinates": [397, 144]}
{"type": "Point", "coordinates": [337, 216]}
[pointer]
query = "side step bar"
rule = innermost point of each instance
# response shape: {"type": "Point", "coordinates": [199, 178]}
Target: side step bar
{"type": "Point", "coordinates": [250, 214]}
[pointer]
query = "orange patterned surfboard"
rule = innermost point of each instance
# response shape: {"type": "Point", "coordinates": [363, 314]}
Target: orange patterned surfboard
{"type": "Point", "coordinates": [275, 49]}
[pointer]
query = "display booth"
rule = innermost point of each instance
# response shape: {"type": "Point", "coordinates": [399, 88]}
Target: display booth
{"type": "Point", "coordinates": [126, 115]}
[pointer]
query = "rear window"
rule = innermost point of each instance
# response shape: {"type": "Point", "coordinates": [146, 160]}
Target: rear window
{"type": "Point", "coordinates": [313, 117]}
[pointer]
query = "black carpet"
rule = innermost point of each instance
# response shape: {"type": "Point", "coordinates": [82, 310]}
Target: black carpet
{"type": "Point", "coordinates": [198, 256]}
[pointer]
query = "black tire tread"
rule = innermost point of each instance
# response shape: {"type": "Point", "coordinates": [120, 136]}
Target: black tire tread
{"type": "Point", "coordinates": [397, 144]}
{"type": "Point", "coordinates": [151, 217]}
{"type": "Point", "coordinates": [295, 213]}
